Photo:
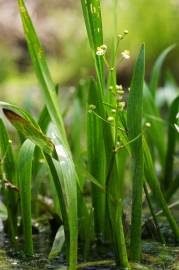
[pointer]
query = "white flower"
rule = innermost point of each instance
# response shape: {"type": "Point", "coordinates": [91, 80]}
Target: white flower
{"type": "Point", "coordinates": [126, 54]}
{"type": "Point", "coordinates": [147, 124]}
{"type": "Point", "coordinates": [101, 50]}
{"type": "Point", "coordinates": [110, 119]}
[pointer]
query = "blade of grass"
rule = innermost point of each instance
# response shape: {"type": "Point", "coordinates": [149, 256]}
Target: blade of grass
{"type": "Point", "coordinates": [152, 180]}
{"type": "Point", "coordinates": [157, 70]}
{"type": "Point", "coordinates": [8, 167]}
{"type": "Point", "coordinates": [115, 210]}
{"type": "Point", "coordinates": [93, 21]}
{"type": "Point", "coordinates": [67, 188]}
{"type": "Point", "coordinates": [134, 122]}
{"type": "Point", "coordinates": [173, 135]}
{"type": "Point", "coordinates": [96, 165]}
{"type": "Point", "coordinates": [173, 188]}
{"type": "Point", "coordinates": [25, 176]}
{"type": "Point", "coordinates": [42, 71]}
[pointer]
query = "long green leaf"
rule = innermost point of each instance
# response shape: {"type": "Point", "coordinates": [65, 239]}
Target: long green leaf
{"type": "Point", "coordinates": [157, 69]}
{"type": "Point", "coordinates": [8, 174]}
{"type": "Point", "coordinates": [67, 183]}
{"type": "Point", "coordinates": [25, 177]}
{"type": "Point", "coordinates": [42, 71]}
{"type": "Point", "coordinates": [134, 123]}
{"type": "Point", "coordinates": [96, 165]}
{"type": "Point", "coordinates": [92, 16]}
{"type": "Point", "coordinates": [152, 180]}
{"type": "Point", "coordinates": [172, 139]}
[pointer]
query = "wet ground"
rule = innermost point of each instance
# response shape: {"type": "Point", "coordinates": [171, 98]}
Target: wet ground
{"type": "Point", "coordinates": [155, 257]}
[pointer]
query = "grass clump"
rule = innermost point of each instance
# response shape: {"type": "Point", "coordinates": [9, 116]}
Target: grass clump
{"type": "Point", "coordinates": [117, 134]}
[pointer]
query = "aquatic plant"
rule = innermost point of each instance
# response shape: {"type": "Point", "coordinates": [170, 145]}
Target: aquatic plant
{"type": "Point", "coordinates": [118, 133]}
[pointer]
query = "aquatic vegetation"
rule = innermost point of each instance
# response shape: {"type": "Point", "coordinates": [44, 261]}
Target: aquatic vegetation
{"type": "Point", "coordinates": [123, 136]}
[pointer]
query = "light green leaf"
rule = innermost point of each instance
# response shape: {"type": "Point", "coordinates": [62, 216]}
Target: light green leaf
{"type": "Point", "coordinates": [57, 244]}
{"type": "Point", "coordinates": [25, 177]}
{"type": "Point", "coordinates": [157, 69]}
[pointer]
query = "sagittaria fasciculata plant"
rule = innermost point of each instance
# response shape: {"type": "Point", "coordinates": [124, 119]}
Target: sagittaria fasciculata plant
{"type": "Point", "coordinates": [116, 134]}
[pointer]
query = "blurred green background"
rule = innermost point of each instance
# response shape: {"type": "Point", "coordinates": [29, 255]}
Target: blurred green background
{"type": "Point", "coordinates": [61, 29]}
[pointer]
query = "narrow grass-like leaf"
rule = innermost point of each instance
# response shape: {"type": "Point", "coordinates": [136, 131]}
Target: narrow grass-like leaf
{"type": "Point", "coordinates": [93, 20]}
{"type": "Point", "coordinates": [134, 122]}
{"type": "Point", "coordinates": [25, 177]}
{"type": "Point", "coordinates": [152, 180]}
{"type": "Point", "coordinates": [96, 164]}
{"type": "Point", "coordinates": [157, 69]}
{"type": "Point", "coordinates": [67, 188]}
{"type": "Point", "coordinates": [8, 175]}
{"type": "Point", "coordinates": [89, 233]}
{"type": "Point", "coordinates": [173, 188]}
{"type": "Point", "coordinates": [42, 71]}
{"type": "Point", "coordinates": [172, 139]}
{"type": "Point", "coordinates": [114, 185]}
{"type": "Point", "coordinates": [92, 15]}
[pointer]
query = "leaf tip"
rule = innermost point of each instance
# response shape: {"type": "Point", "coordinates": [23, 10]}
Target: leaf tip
{"type": "Point", "coordinates": [12, 116]}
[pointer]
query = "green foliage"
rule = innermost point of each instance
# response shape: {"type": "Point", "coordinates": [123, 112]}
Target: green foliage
{"type": "Point", "coordinates": [25, 175]}
{"type": "Point", "coordinates": [134, 122]}
{"type": "Point", "coordinates": [89, 160]}
{"type": "Point", "coordinates": [8, 177]}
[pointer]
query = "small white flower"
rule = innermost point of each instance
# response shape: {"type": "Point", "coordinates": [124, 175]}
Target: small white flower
{"type": "Point", "coordinates": [113, 110]}
{"type": "Point", "coordinates": [110, 119]}
{"type": "Point", "coordinates": [147, 124]}
{"type": "Point", "coordinates": [126, 32]}
{"type": "Point", "coordinates": [126, 54]}
{"type": "Point", "coordinates": [101, 50]}
{"type": "Point", "coordinates": [92, 107]}
{"type": "Point", "coordinates": [120, 36]}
